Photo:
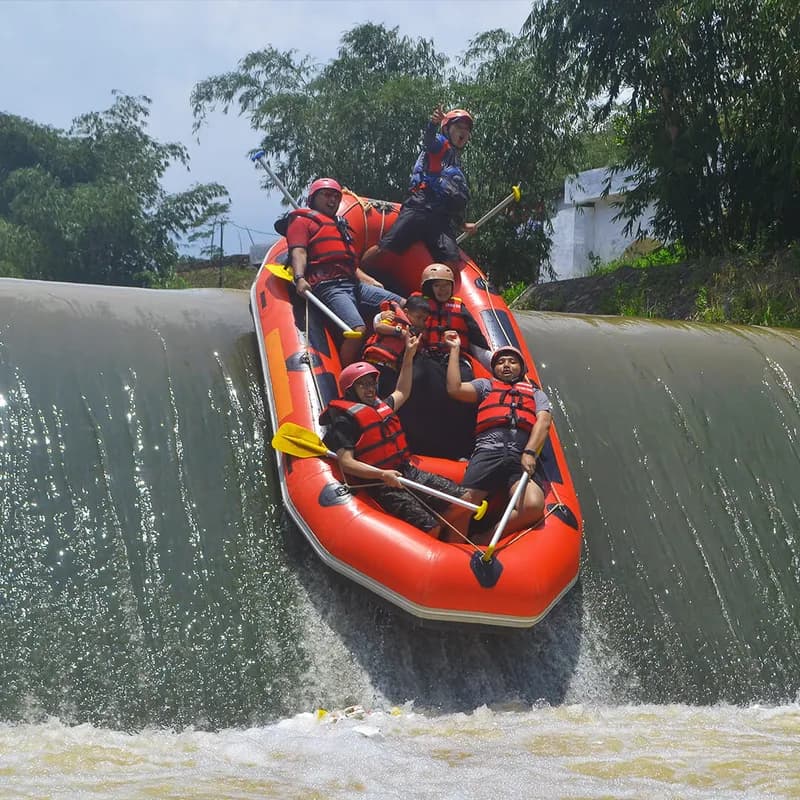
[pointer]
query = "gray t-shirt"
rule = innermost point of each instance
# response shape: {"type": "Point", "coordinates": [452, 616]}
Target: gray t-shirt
{"type": "Point", "coordinates": [505, 437]}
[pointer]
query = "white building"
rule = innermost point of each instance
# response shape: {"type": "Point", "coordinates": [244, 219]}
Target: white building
{"type": "Point", "coordinates": [584, 227]}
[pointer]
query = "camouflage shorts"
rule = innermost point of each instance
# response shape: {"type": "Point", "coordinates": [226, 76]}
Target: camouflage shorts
{"type": "Point", "coordinates": [417, 507]}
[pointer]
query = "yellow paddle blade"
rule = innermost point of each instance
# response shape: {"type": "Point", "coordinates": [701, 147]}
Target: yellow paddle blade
{"type": "Point", "coordinates": [295, 440]}
{"type": "Point", "coordinates": [281, 271]}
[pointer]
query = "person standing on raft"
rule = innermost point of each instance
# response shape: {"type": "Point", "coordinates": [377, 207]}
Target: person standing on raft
{"type": "Point", "coordinates": [439, 193]}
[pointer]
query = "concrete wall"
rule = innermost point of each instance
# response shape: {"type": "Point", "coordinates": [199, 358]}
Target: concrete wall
{"type": "Point", "coordinates": [584, 226]}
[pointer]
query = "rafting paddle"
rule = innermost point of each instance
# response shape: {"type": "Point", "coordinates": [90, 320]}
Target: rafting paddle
{"type": "Point", "coordinates": [486, 568]}
{"type": "Point", "coordinates": [283, 271]}
{"type": "Point", "coordinates": [295, 440]}
{"type": "Point", "coordinates": [512, 198]}
{"type": "Point", "coordinates": [261, 157]}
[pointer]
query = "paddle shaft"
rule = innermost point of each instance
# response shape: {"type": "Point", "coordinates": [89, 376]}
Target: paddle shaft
{"type": "Point", "coordinates": [501, 526]}
{"type": "Point", "coordinates": [330, 315]}
{"type": "Point", "coordinates": [513, 197]}
{"type": "Point", "coordinates": [420, 487]}
{"type": "Point", "coordinates": [284, 272]}
{"type": "Point", "coordinates": [260, 157]}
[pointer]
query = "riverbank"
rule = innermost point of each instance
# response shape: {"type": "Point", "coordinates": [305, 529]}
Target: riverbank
{"type": "Point", "coordinates": [743, 288]}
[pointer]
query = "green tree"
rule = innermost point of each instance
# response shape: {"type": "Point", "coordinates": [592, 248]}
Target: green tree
{"type": "Point", "coordinates": [88, 205]}
{"type": "Point", "coordinates": [359, 118]}
{"type": "Point", "coordinates": [711, 92]}
{"type": "Point", "coordinates": [529, 131]}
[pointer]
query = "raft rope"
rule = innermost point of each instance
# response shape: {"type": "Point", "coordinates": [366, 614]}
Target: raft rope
{"type": "Point", "coordinates": [519, 535]}
{"type": "Point", "coordinates": [366, 205]}
{"type": "Point", "coordinates": [558, 504]}
{"type": "Point", "coordinates": [468, 541]}
{"type": "Point", "coordinates": [494, 311]}
{"type": "Point", "coordinates": [433, 511]}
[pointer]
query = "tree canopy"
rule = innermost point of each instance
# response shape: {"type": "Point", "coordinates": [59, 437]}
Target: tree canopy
{"type": "Point", "coordinates": [698, 100]}
{"type": "Point", "coordinates": [88, 205]}
{"type": "Point", "coordinates": [710, 92]}
{"type": "Point", "coordinates": [359, 118]}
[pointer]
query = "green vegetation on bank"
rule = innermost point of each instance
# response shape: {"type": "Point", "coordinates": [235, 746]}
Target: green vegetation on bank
{"type": "Point", "coordinates": [748, 288]}
{"type": "Point", "coordinates": [87, 205]}
{"type": "Point", "coordinates": [234, 273]}
{"type": "Point", "coordinates": [697, 100]}
{"type": "Point", "coordinates": [754, 290]}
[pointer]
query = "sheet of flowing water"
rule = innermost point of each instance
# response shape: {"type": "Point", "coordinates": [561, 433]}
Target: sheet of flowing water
{"type": "Point", "coordinates": [167, 633]}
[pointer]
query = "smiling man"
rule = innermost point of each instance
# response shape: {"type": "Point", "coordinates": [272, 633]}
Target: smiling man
{"type": "Point", "coordinates": [514, 418]}
{"type": "Point", "coordinates": [323, 259]}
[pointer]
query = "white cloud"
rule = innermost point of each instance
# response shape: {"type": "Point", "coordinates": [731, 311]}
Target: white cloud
{"type": "Point", "coordinates": [62, 59]}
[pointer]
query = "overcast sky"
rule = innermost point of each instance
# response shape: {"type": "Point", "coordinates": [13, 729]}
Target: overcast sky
{"type": "Point", "coordinates": [62, 59]}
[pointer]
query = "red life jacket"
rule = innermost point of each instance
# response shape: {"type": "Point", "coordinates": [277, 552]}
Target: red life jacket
{"type": "Point", "coordinates": [448, 316]}
{"type": "Point", "coordinates": [508, 405]}
{"type": "Point", "coordinates": [386, 349]}
{"type": "Point", "coordinates": [330, 252]}
{"type": "Point", "coordinates": [382, 442]}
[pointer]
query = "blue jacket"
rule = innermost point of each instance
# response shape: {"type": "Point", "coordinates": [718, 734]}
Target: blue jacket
{"type": "Point", "coordinates": [438, 174]}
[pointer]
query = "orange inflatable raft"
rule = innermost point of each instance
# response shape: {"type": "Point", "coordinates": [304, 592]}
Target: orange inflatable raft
{"type": "Point", "coordinates": [528, 572]}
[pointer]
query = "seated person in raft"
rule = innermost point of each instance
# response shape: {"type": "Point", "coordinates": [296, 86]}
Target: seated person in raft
{"type": "Point", "coordinates": [323, 257]}
{"type": "Point", "coordinates": [392, 326]}
{"type": "Point", "coordinates": [370, 445]}
{"type": "Point", "coordinates": [513, 423]}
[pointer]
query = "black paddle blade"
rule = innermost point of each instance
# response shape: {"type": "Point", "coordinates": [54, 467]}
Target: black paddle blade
{"type": "Point", "coordinates": [487, 572]}
{"type": "Point", "coordinates": [564, 513]}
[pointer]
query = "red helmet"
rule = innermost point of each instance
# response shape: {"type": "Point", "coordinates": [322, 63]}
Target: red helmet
{"type": "Point", "coordinates": [323, 183]}
{"type": "Point", "coordinates": [437, 272]}
{"type": "Point", "coordinates": [505, 350]}
{"type": "Point", "coordinates": [457, 114]}
{"type": "Point", "coordinates": [351, 373]}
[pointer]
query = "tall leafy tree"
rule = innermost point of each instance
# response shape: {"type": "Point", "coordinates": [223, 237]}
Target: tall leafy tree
{"type": "Point", "coordinates": [87, 205]}
{"type": "Point", "coordinates": [711, 92]}
{"type": "Point", "coordinates": [529, 131]}
{"type": "Point", "coordinates": [357, 118]}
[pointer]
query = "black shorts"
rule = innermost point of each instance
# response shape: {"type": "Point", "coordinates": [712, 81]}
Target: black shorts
{"type": "Point", "coordinates": [491, 469]}
{"type": "Point", "coordinates": [407, 504]}
{"type": "Point", "coordinates": [433, 227]}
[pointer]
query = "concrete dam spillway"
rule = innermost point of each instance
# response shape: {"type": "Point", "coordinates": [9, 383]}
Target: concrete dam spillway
{"type": "Point", "coordinates": [149, 575]}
